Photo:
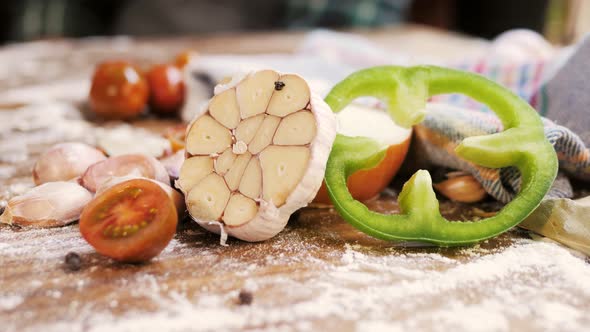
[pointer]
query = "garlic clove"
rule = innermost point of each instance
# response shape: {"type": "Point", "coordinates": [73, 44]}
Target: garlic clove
{"type": "Point", "coordinates": [192, 171]}
{"type": "Point", "coordinates": [48, 205]}
{"type": "Point", "coordinates": [134, 164]}
{"type": "Point", "coordinates": [293, 96]}
{"type": "Point", "coordinates": [206, 136]}
{"type": "Point", "coordinates": [294, 129]}
{"type": "Point", "coordinates": [462, 188]}
{"type": "Point", "coordinates": [254, 92]}
{"type": "Point", "coordinates": [65, 162]}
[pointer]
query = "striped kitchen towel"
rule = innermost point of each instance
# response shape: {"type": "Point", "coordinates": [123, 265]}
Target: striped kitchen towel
{"type": "Point", "coordinates": [557, 88]}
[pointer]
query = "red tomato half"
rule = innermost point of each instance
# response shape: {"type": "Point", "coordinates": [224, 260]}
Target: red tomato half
{"type": "Point", "coordinates": [132, 221]}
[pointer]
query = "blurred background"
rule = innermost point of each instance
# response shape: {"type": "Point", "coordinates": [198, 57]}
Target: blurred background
{"type": "Point", "coordinates": [560, 21]}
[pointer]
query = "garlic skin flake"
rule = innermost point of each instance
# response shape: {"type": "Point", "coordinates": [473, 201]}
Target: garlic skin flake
{"type": "Point", "coordinates": [65, 161]}
{"type": "Point", "coordinates": [255, 154]}
{"type": "Point", "coordinates": [48, 205]}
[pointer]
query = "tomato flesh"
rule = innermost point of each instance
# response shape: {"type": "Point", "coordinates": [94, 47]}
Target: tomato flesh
{"type": "Point", "coordinates": [132, 221]}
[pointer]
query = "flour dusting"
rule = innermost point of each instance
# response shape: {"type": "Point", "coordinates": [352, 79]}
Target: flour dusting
{"type": "Point", "coordinates": [526, 283]}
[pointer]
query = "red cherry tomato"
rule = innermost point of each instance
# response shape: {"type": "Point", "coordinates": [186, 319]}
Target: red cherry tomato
{"type": "Point", "coordinates": [119, 90]}
{"type": "Point", "coordinates": [167, 88]}
{"type": "Point", "coordinates": [132, 221]}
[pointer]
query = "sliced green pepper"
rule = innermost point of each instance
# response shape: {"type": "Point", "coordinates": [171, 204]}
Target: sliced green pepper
{"type": "Point", "coordinates": [405, 91]}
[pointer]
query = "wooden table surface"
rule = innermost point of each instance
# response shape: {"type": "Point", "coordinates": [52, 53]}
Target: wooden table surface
{"type": "Point", "coordinates": [318, 274]}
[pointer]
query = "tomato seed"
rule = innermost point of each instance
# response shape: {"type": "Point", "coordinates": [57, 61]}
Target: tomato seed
{"type": "Point", "coordinates": [133, 229]}
{"type": "Point", "coordinates": [135, 192]}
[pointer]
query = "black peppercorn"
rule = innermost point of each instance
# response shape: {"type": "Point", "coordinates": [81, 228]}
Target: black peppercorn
{"type": "Point", "coordinates": [73, 261]}
{"type": "Point", "coordinates": [245, 297]}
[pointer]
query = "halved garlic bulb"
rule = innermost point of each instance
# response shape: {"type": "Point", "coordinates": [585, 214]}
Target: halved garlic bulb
{"type": "Point", "coordinates": [255, 154]}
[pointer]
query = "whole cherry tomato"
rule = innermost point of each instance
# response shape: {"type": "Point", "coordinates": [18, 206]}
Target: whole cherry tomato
{"type": "Point", "coordinates": [119, 90]}
{"type": "Point", "coordinates": [167, 88]}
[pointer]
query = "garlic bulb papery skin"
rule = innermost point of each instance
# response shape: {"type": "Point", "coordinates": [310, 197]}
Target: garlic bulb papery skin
{"type": "Point", "coordinates": [48, 205]}
{"type": "Point", "coordinates": [65, 162]}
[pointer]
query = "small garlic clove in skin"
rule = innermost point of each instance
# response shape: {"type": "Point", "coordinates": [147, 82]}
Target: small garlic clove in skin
{"type": "Point", "coordinates": [130, 164]}
{"type": "Point", "coordinates": [65, 162]}
{"type": "Point", "coordinates": [48, 205]}
{"type": "Point", "coordinates": [463, 188]}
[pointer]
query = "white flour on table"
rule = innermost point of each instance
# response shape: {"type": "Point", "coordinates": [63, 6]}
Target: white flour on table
{"type": "Point", "coordinates": [529, 283]}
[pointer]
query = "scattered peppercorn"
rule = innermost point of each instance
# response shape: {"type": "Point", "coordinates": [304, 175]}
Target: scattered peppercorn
{"type": "Point", "coordinates": [73, 261]}
{"type": "Point", "coordinates": [245, 297]}
{"type": "Point", "coordinates": [279, 85]}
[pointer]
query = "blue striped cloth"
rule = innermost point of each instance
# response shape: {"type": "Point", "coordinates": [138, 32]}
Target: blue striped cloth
{"type": "Point", "coordinates": [445, 126]}
{"type": "Point", "coordinates": [563, 96]}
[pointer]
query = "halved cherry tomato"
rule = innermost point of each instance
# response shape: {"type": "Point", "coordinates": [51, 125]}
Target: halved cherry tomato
{"type": "Point", "coordinates": [167, 88]}
{"type": "Point", "coordinates": [133, 221]}
{"type": "Point", "coordinates": [119, 90]}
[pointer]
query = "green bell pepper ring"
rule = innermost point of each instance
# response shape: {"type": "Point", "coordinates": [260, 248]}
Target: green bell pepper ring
{"type": "Point", "coordinates": [405, 91]}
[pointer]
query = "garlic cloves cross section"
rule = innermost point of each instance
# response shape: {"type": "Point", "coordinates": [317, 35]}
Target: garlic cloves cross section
{"type": "Point", "coordinates": [256, 154]}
